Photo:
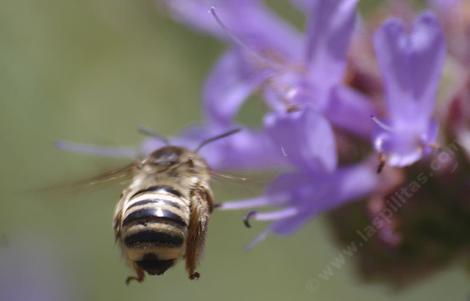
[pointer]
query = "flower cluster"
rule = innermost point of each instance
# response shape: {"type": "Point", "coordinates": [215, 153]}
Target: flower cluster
{"type": "Point", "coordinates": [303, 79]}
{"type": "Point", "coordinates": [341, 84]}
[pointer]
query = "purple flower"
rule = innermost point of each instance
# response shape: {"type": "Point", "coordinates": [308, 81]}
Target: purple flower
{"type": "Point", "coordinates": [269, 55]}
{"type": "Point", "coordinates": [301, 196]}
{"type": "Point", "coordinates": [304, 138]}
{"type": "Point", "coordinates": [411, 64]}
{"type": "Point", "coordinates": [329, 29]}
{"type": "Point", "coordinates": [250, 20]}
{"type": "Point", "coordinates": [313, 133]}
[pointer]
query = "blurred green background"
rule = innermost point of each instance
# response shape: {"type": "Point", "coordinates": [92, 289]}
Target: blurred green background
{"type": "Point", "coordinates": [92, 71]}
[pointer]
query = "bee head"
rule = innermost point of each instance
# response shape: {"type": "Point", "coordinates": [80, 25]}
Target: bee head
{"type": "Point", "coordinates": [169, 156]}
{"type": "Point", "coordinates": [166, 156]}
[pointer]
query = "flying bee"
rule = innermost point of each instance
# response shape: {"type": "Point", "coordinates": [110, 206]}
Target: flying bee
{"type": "Point", "coordinates": [163, 214]}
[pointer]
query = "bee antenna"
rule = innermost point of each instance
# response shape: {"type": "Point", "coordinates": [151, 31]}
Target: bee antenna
{"type": "Point", "coordinates": [215, 138]}
{"type": "Point", "coordinates": [151, 133]}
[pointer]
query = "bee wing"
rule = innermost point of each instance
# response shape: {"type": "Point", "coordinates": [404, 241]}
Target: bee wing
{"type": "Point", "coordinates": [233, 182]}
{"type": "Point", "coordinates": [119, 174]}
{"type": "Point", "coordinates": [114, 176]}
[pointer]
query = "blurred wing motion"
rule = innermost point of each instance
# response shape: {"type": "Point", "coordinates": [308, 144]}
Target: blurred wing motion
{"type": "Point", "coordinates": [252, 183]}
{"type": "Point", "coordinates": [121, 175]}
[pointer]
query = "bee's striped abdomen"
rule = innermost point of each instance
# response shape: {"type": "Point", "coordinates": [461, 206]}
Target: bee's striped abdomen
{"type": "Point", "coordinates": [150, 212]}
{"type": "Point", "coordinates": [154, 223]}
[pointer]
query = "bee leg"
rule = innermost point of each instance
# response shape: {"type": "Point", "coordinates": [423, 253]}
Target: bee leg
{"type": "Point", "coordinates": [194, 276]}
{"type": "Point", "coordinates": [139, 277]}
{"type": "Point", "coordinates": [216, 205]}
{"type": "Point", "coordinates": [197, 229]}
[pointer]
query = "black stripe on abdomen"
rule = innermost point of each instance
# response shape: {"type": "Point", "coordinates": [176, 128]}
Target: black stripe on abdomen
{"type": "Point", "coordinates": [154, 214]}
{"type": "Point", "coordinates": [153, 265]}
{"type": "Point", "coordinates": [158, 188]}
{"type": "Point", "coordinates": [154, 238]}
{"type": "Point", "coordinates": [155, 201]}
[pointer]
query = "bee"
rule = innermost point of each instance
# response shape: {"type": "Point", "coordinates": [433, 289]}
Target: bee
{"type": "Point", "coordinates": [164, 213]}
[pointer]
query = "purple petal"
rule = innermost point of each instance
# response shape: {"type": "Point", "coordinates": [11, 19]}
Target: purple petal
{"type": "Point", "coordinates": [249, 20]}
{"type": "Point", "coordinates": [353, 182]}
{"type": "Point", "coordinates": [329, 31]}
{"type": "Point", "coordinates": [315, 193]}
{"type": "Point", "coordinates": [195, 14]}
{"type": "Point", "coordinates": [351, 111]}
{"type": "Point", "coordinates": [400, 150]}
{"type": "Point", "coordinates": [262, 236]}
{"type": "Point", "coordinates": [407, 146]}
{"type": "Point", "coordinates": [228, 86]}
{"type": "Point", "coordinates": [428, 57]}
{"type": "Point", "coordinates": [295, 188]}
{"type": "Point", "coordinates": [247, 150]}
{"type": "Point", "coordinates": [292, 89]}
{"type": "Point", "coordinates": [277, 214]}
{"type": "Point", "coordinates": [304, 138]}
{"type": "Point", "coordinates": [303, 195]}
{"type": "Point", "coordinates": [411, 64]}
{"type": "Point", "coordinates": [245, 204]}
{"type": "Point", "coordinates": [292, 224]}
